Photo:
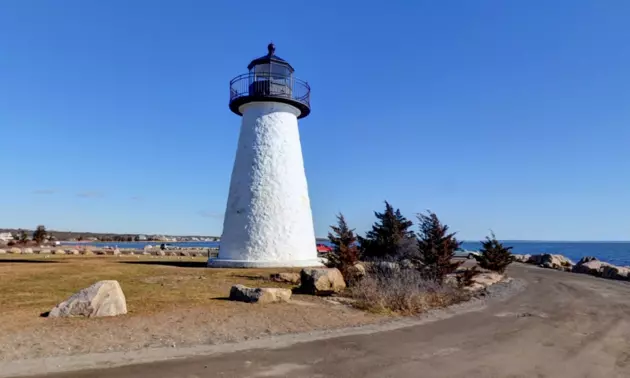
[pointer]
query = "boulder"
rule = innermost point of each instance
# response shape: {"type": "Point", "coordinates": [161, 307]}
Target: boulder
{"type": "Point", "coordinates": [592, 267]}
{"type": "Point", "coordinates": [259, 295]}
{"type": "Point", "coordinates": [616, 272]}
{"type": "Point", "coordinates": [2, 251]}
{"type": "Point", "coordinates": [547, 260]}
{"type": "Point", "coordinates": [15, 251]}
{"type": "Point", "coordinates": [184, 253]}
{"type": "Point", "coordinates": [357, 271]}
{"type": "Point", "coordinates": [88, 251]}
{"type": "Point", "coordinates": [58, 252]}
{"type": "Point", "coordinates": [586, 259]}
{"type": "Point", "coordinates": [104, 298]}
{"type": "Point", "coordinates": [522, 258]}
{"type": "Point", "coordinates": [292, 278]}
{"type": "Point", "coordinates": [44, 251]}
{"type": "Point", "coordinates": [159, 252]}
{"type": "Point", "coordinates": [146, 253]}
{"type": "Point", "coordinates": [74, 252]}
{"type": "Point", "coordinates": [483, 280]}
{"type": "Point", "coordinates": [116, 252]}
{"type": "Point", "coordinates": [148, 248]}
{"type": "Point", "coordinates": [27, 251]}
{"type": "Point", "coordinates": [321, 281]}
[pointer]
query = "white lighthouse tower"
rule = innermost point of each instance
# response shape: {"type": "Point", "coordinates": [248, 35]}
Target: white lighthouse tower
{"type": "Point", "coordinates": [268, 220]}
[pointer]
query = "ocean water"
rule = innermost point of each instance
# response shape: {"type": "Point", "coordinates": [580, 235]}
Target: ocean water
{"type": "Point", "coordinates": [617, 253]}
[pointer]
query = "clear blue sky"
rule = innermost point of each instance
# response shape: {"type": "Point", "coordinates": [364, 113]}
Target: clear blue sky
{"type": "Point", "coordinates": [510, 115]}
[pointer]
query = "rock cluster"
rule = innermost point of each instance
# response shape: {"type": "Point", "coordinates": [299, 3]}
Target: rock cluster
{"type": "Point", "coordinates": [587, 265]}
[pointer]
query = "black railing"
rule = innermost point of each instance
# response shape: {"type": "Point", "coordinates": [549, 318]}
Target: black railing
{"type": "Point", "coordinates": [272, 86]}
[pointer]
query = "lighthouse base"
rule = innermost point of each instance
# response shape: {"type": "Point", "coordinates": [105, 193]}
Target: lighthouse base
{"type": "Point", "coordinates": [223, 263]}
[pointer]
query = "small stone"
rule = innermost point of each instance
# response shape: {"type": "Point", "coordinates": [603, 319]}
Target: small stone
{"type": "Point", "coordinates": [292, 278]}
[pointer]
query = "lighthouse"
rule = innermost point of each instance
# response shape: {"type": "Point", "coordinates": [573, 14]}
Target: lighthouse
{"type": "Point", "coordinates": [268, 220]}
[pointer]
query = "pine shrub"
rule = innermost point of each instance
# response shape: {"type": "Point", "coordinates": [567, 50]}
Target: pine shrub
{"type": "Point", "coordinates": [436, 248]}
{"type": "Point", "coordinates": [494, 256]}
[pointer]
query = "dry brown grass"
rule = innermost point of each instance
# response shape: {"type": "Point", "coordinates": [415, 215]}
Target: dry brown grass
{"type": "Point", "coordinates": [402, 292]}
{"type": "Point", "coordinates": [171, 301]}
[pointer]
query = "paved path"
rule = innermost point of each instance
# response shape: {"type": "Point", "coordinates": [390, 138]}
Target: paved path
{"type": "Point", "coordinates": [561, 325]}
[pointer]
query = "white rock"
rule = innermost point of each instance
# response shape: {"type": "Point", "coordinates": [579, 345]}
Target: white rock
{"type": "Point", "coordinates": [2, 251]}
{"type": "Point", "coordinates": [27, 251]}
{"type": "Point", "coordinates": [15, 251]}
{"type": "Point", "coordinates": [59, 252]}
{"type": "Point", "coordinates": [44, 251]}
{"type": "Point", "coordinates": [483, 280]}
{"type": "Point", "coordinates": [104, 298]}
{"type": "Point", "coordinates": [263, 295]}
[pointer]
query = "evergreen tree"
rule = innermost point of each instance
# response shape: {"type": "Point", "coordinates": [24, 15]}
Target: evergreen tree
{"type": "Point", "coordinates": [23, 237]}
{"type": "Point", "coordinates": [436, 248]}
{"type": "Point", "coordinates": [39, 235]}
{"type": "Point", "coordinates": [345, 252]}
{"type": "Point", "coordinates": [494, 256]}
{"type": "Point", "coordinates": [383, 242]}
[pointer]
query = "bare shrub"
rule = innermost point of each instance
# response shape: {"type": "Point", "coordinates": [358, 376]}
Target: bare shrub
{"type": "Point", "coordinates": [401, 291]}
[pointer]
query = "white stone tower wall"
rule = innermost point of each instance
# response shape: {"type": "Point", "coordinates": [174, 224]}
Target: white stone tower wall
{"type": "Point", "coordinates": [268, 220]}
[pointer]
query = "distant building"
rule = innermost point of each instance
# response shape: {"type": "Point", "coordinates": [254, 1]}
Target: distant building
{"type": "Point", "coordinates": [6, 236]}
{"type": "Point", "coordinates": [142, 238]}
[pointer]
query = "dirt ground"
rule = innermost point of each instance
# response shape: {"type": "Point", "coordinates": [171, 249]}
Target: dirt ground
{"type": "Point", "coordinates": [556, 325]}
{"type": "Point", "coordinates": [173, 302]}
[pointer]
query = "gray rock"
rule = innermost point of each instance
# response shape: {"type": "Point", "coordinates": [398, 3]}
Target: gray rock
{"type": "Point", "coordinates": [243, 293]}
{"type": "Point", "coordinates": [321, 281]}
{"type": "Point", "coordinates": [27, 251]}
{"type": "Point", "coordinates": [292, 278]}
{"type": "Point", "coordinates": [104, 298]}
{"type": "Point", "coordinates": [586, 259]}
{"type": "Point", "coordinates": [159, 252]}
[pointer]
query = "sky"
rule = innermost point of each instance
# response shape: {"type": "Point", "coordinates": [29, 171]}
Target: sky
{"type": "Point", "coordinates": [505, 115]}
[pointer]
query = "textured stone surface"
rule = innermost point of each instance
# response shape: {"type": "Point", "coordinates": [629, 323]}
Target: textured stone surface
{"type": "Point", "coordinates": [44, 251]}
{"type": "Point", "coordinates": [321, 281]}
{"type": "Point", "coordinates": [484, 280]}
{"type": "Point", "coordinates": [550, 261]}
{"type": "Point", "coordinates": [27, 251]}
{"type": "Point", "coordinates": [59, 252]}
{"type": "Point", "coordinates": [2, 251]}
{"type": "Point", "coordinates": [615, 272]}
{"type": "Point", "coordinates": [268, 220]}
{"type": "Point", "coordinates": [292, 278]}
{"type": "Point", "coordinates": [592, 267]}
{"type": "Point", "coordinates": [104, 298]}
{"type": "Point", "coordinates": [263, 295]}
{"type": "Point", "coordinates": [15, 251]}
{"type": "Point", "coordinates": [522, 258]}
